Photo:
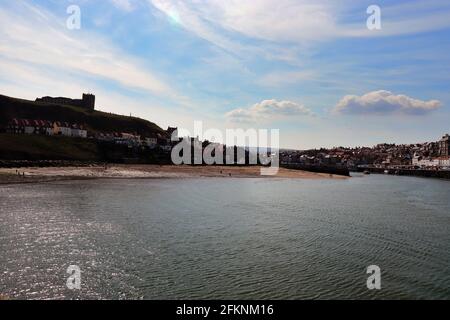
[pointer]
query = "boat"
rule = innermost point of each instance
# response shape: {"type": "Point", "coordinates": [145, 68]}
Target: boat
{"type": "Point", "coordinates": [366, 172]}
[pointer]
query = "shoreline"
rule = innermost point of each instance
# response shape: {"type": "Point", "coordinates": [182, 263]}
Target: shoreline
{"type": "Point", "coordinates": [120, 171]}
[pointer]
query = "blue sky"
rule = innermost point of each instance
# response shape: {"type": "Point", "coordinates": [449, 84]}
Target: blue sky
{"type": "Point", "coordinates": [309, 68]}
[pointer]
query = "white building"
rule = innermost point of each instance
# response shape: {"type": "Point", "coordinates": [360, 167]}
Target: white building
{"type": "Point", "coordinates": [429, 162]}
{"type": "Point", "coordinates": [69, 130]}
{"type": "Point", "coordinates": [78, 132]}
{"type": "Point", "coordinates": [66, 131]}
{"type": "Point", "coordinates": [444, 162]}
{"type": "Point", "coordinates": [128, 139]}
{"type": "Point", "coordinates": [49, 131]}
{"type": "Point", "coordinates": [29, 130]}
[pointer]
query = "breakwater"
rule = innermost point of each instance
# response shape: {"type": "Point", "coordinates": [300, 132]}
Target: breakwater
{"type": "Point", "coordinates": [319, 169]}
{"type": "Point", "coordinates": [441, 174]}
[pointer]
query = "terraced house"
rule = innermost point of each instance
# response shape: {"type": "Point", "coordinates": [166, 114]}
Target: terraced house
{"type": "Point", "coordinates": [45, 127]}
{"type": "Point", "coordinates": [25, 126]}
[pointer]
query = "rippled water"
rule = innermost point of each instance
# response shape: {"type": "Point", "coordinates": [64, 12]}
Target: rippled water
{"type": "Point", "coordinates": [226, 238]}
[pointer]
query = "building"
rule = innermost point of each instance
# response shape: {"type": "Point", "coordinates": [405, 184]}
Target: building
{"type": "Point", "coordinates": [87, 101]}
{"type": "Point", "coordinates": [444, 147]}
{"type": "Point", "coordinates": [444, 162]}
{"type": "Point", "coordinates": [416, 160]}
{"type": "Point", "coordinates": [131, 140]}
{"type": "Point", "coordinates": [109, 137]}
{"type": "Point", "coordinates": [25, 126]}
{"type": "Point", "coordinates": [42, 127]}
{"type": "Point", "coordinates": [172, 133]}
{"type": "Point", "coordinates": [429, 162]}
{"type": "Point", "coordinates": [15, 126]}
{"type": "Point", "coordinates": [62, 129]}
{"type": "Point", "coordinates": [78, 131]}
{"type": "Point", "coordinates": [163, 139]}
{"type": "Point", "coordinates": [65, 129]}
{"type": "Point", "coordinates": [151, 142]}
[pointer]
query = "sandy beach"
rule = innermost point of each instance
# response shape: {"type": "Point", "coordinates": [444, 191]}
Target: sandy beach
{"type": "Point", "coordinates": [32, 175]}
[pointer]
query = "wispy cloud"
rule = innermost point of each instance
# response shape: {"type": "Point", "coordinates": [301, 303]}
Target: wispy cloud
{"type": "Point", "coordinates": [30, 81]}
{"type": "Point", "coordinates": [187, 15]}
{"type": "Point", "coordinates": [224, 23]}
{"type": "Point", "coordinates": [228, 24]}
{"type": "Point", "coordinates": [385, 103]}
{"type": "Point", "coordinates": [31, 35]}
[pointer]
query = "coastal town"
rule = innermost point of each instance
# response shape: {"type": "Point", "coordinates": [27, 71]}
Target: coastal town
{"type": "Point", "coordinates": [423, 156]}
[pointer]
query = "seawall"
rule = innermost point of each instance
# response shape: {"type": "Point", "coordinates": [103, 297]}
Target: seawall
{"type": "Point", "coordinates": [441, 174]}
{"type": "Point", "coordinates": [319, 169]}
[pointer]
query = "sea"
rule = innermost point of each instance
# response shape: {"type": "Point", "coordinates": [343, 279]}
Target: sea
{"type": "Point", "coordinates": [226, 238]}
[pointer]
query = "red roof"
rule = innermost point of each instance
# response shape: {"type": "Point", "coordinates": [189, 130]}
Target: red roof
{"type": "Point", "coordinates": [42, 123]}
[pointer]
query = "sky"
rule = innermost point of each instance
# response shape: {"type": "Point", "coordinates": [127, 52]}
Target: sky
{"type": "Point", "coordinates": [310, 68]}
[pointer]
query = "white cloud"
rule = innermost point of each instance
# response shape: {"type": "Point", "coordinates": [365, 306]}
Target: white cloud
{"type": "Point", "coordinates": [268, 110]}
{"type": "Point", "coordinates": [384, 102]}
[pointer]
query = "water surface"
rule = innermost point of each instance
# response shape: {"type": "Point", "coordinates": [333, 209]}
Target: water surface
{"type": "Point", "coordinates": [227, 238]}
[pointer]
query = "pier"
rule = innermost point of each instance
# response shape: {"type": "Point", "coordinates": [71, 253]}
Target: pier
{"type": "Point", "coordinates": [442, 174]}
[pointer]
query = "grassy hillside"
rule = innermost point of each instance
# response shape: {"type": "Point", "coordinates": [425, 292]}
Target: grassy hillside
{"type": "Point", "coordinates": [96, 121]}
{"type": "Point", "coordinates": [34, 147]}
{"type": "Point", "coordinates": [37, 147]}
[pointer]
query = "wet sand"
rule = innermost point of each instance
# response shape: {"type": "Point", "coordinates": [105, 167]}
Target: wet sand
{"type": "Point", "coordinates": [33, 175]}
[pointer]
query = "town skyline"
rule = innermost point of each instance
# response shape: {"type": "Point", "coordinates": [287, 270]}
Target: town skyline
{"type": "Point", "coordinates": [88, 103]}
{"type": "Point", "coordinates": [334, 84]}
